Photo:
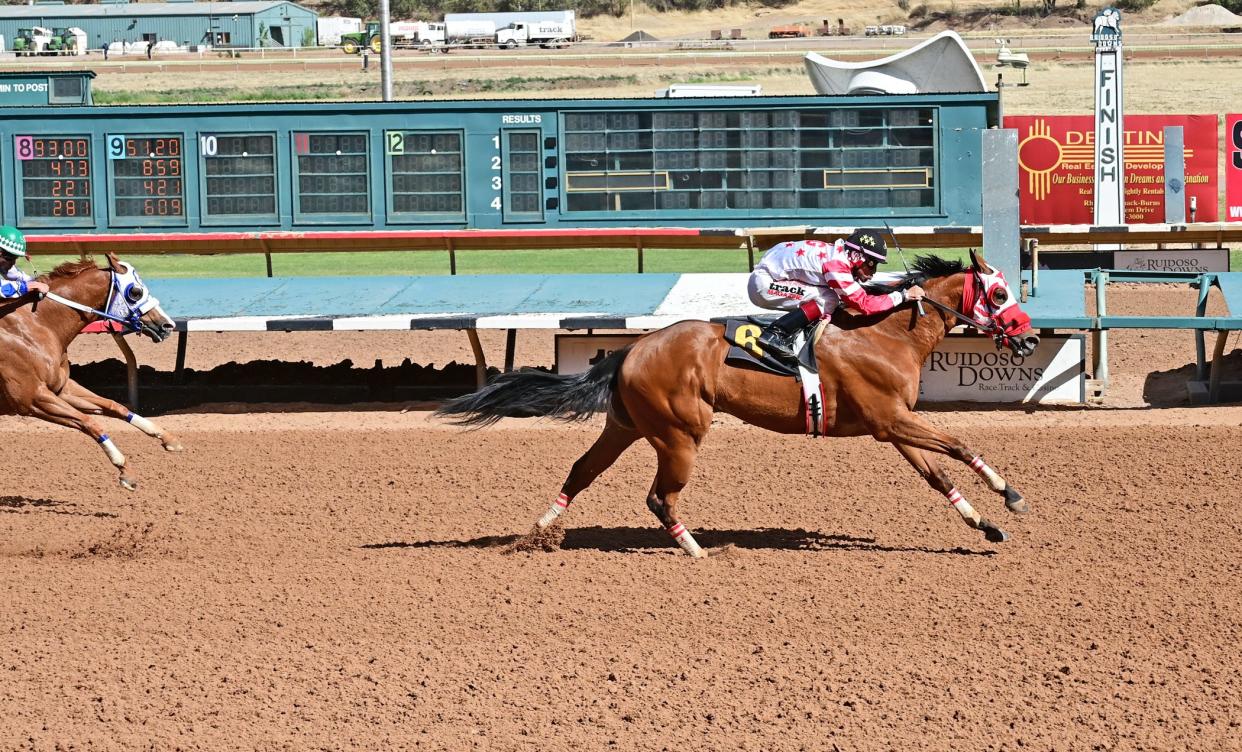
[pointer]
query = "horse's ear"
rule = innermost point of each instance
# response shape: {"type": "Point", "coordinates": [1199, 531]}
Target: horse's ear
{"type": "Point", "coordinates": [113, 262]}
{"type": "Point", "coordinates": [976, 260]}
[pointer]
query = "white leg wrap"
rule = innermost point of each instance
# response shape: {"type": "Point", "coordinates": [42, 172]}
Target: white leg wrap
{"type": "Point", "coordinates": [556, 510]}
{"type": "Point", "coordinates": [963, 507]}
{"type": "Point", "coordinates": [686, 540]}
{"type": "Point", "coordinates": [144, 425]}
{"type": "Point", "coordinates": [114, 454]}
{"type": "Point", "coordinates": [991, 476]}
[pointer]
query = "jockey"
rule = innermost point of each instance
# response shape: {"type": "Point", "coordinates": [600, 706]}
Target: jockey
{"type": "Point", "coordinates": [15, 283]}
{"type": "Point", "coordinates": [811, 278]}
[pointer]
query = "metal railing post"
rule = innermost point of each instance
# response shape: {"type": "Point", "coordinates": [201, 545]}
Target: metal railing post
{"type": "Point", "coordinates": [1201, 366]}
{"type": "Point", "coordinates": [1100, 354]}
{"type": "Point", "coordinates": [131, 369]}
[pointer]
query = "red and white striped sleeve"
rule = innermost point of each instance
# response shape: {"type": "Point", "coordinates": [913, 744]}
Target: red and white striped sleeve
{"type": "Point", "coordinates": [839, 277]}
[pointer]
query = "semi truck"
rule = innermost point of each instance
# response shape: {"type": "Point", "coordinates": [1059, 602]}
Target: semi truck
{"type": "Point", "coordinates": [480, 32]}
{"type": "Point", "coordinates": [508, 30]}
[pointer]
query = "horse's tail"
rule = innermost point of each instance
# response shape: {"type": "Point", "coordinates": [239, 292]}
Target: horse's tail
{"type": "Point", "coordinates": [538, 394]}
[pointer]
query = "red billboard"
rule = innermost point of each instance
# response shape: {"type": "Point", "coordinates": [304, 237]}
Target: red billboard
{"type": "Point", "coordinates": [1056, 167]}
{"type": "Point", "coordinates": [1233, 168]}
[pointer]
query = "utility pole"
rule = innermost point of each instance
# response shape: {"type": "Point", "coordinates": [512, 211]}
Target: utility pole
{"type": "Point", "coordinates": [385, 51]}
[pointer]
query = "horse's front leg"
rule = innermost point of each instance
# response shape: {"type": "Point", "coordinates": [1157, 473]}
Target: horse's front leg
{"type": "Point", "coordinates": [50, 407]}
{"type": "Point", "coordinates": [911, 429]}
{"type": "Point", "coordinates": [938, 479]}
{"type": "Point", "coordinates": [88, 402]}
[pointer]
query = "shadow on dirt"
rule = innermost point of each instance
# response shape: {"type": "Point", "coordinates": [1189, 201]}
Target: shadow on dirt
{"type": "Point", "coordinates": [1168, 388]}
{"type": "Point", "coordinates": [634, 539]}
{"type": "Point", "coordinates": [26, 505]}
{"type": "Point", "coordinates": [344, 384]}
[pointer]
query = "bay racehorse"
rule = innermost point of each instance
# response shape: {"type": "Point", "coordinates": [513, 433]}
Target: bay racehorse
{"type": "Point", "coordinates": [666, 386]}
{"type": "Point", "coordinates": [35, 337]}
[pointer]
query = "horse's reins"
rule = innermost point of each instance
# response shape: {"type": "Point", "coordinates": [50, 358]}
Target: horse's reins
{"type": "Point", "coordinates": [963, 317]}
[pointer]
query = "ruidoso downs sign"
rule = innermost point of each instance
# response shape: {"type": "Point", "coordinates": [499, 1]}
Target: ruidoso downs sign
{"type": "Point", "coordinates": [970, 369]}
{"type": "Point", "coordinates": [1195, 260]}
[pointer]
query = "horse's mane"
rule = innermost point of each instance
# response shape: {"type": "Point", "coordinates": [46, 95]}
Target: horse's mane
{"type": "Point", "coordinates": [923, 269]}
{"type": "Point", "coordinates": [72, 268]}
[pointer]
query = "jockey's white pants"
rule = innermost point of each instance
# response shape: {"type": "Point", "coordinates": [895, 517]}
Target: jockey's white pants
{"type": "Point", "coordinates": [788, 294]}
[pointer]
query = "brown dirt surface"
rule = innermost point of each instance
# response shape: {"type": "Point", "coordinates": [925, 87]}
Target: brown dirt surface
{"type": "Point", "coordinates": [343, 580]}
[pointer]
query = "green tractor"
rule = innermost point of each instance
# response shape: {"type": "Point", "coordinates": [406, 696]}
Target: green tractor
{"type": "Point", "coordinates": [352, 44]}
{"type": "Point", "coordinates": [33, 41]}
{"type": "Point", "coordinates": [38, 40]}
{"type": "Point", "coordinates": [62, 43]}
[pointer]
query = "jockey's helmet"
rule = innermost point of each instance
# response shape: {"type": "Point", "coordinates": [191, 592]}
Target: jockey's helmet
{"type": "Point", "coordinates": [870, 243]}
{"type": "Point", "coordinates": [867, 251]}
{"type": "Point", "coordinates": [12, 242]}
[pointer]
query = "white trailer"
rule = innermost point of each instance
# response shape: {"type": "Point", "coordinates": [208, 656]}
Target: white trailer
{"type": "Point", "coordinates": [328, 29]}
{"type": "Point", "coordinates": [458, 32]}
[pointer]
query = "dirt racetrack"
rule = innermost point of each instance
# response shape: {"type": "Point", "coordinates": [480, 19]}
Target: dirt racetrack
{"type": "Point", "coordinates": [335, 579]}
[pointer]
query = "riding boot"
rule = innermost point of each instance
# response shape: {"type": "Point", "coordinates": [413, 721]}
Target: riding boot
{"type": "Point", "coordinates": [777, 338]}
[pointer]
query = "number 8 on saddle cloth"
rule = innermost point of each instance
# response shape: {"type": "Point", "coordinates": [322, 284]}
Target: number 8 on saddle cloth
{"type": "Point", "coordinates": [746, 352]}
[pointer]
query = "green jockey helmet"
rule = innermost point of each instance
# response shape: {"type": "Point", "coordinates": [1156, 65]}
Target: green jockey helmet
{"type": "Point", "coordinates": [12, 241]}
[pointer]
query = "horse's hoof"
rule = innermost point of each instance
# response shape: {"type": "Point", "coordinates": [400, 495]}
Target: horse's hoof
{"type": "Point", "coordinates": [1014, 501]}
{"type": "Point", "coordinates": [129, 484]}
{"type": "Point", "coordinates": [994, 534]}
{"type": "Point", "coordinates": [174, 446]}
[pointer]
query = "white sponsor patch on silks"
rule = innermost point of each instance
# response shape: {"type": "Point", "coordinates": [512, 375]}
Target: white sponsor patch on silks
{"type": "Point", "coordinates": [114, 454]}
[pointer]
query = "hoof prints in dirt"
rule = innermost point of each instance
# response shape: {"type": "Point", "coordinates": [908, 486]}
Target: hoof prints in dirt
{"type": "Point", "coordinates": [25, 505]}
{"type": "Point", "coordinates": [126, 542]}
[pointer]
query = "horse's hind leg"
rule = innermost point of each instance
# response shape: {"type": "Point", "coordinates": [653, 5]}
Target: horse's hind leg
{"type": "Point", "coordinates": [48, 406]}
{"type": "Point", "coordinates": [675, 454]}
{"type": "Point", "coordinates": [88, 402]}
{"type": "Point", "coordinates": [909, 428]}
{"type": "Point", "coordinates": [938, 479]}
{"type": "Point", "coordinates": [607, 448]}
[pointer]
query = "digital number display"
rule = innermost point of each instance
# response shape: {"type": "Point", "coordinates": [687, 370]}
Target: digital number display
{"type": "Point", "coordinates": [424, 173]}
{"type": "Point", "coordinates": [55, 178]}
{"type": "Point", "coordinates": [523, 189]}
{"type": "Point", "coordinates": [240, 175]}
{"type": "Point", "coordinates": [148, 178]}
{"type": "Point", "coordinates": [806, 158]}
{"type": "Point", "coordinates": [332, 175]}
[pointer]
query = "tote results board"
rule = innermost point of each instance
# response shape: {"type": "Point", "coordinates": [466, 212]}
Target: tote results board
{"type": "Point", "coordinates": [1056, 162]}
